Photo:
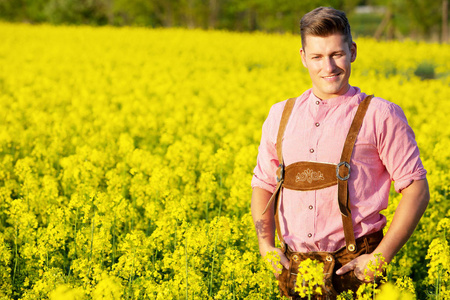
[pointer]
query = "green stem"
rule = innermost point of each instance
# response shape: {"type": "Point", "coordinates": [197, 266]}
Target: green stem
{"type": "Point", "coordinates": [214, 252]}
{"type": "Point", "coordinates": [233, 286]}
{"type": "Point", "coordinates": [186, 258]}
{"type": "Point", "coordinates": [438, 285]}
{"type": "Point", "coordinates": [207, 209]}
{"type": "Point", "coordinates": [130, 281]}
{"type": "Point", "coordinates": [92, 244]}
{"type": "Point", "coordinates": [15, 254]}
{"type": "Point", "coordinates": [175, 239]}
{"type": "Point", "coordinates": [75, 235]}
{"type": "Point", "coordinates": [113, 242]}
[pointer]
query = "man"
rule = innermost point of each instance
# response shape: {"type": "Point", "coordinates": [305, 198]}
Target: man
{"type": "Point", "coordinates": [334, 218]}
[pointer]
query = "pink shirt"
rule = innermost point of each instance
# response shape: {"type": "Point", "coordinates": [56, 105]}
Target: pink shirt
{"type": "Point", "coordinates": [385, 151]}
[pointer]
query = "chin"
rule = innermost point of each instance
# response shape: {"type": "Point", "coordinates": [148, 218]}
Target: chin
{"type": "Point", "coordinates": [335, 90]}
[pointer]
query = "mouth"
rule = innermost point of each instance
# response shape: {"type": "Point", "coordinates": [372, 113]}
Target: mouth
{"type": "Point", "coordinates": [331, 78]}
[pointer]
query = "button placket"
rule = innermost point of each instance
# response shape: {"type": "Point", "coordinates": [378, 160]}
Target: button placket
{"type": "Point", "coordinates": [317, 118]}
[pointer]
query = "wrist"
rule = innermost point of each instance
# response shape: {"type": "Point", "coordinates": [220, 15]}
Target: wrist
{"type": "Point", "coordinates": [385, 254]}
{"type": "Point", "coordinates": [265, 247]}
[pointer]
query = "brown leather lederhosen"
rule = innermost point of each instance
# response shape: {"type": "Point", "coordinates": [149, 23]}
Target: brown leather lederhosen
{"type": "Point", "coordinates": [293, 177]}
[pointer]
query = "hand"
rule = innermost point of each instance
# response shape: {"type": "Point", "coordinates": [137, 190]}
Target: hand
{"type": "Point", "coordinates": [283, 260]}
{"type": "Point", "coordinates": [361, 264]}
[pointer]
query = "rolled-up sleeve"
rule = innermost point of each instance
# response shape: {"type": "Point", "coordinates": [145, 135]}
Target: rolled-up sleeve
{"type": "Point", "coordinates": [264, 174]}
{"type": "Point", "coordinates": [398, 148]}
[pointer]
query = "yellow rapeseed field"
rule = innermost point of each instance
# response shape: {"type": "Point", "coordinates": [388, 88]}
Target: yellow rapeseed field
{"type": "Point", "coordinates": [126, 156]}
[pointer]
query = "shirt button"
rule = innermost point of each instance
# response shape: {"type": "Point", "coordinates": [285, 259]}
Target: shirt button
{"type": "Point", "coordinates": [311, 150]}
{"type": "Point", "coordinates": [309, 234]}
{"type": "Point", "coordinates": [317, 124]}
{"type": "Point", "coordinates": [317, 102]}
{"type": "Point", "coordinates": [310, 207]}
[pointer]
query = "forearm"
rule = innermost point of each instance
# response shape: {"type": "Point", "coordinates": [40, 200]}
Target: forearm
{"type": "Point", "coordinates": [264, 224]}
{"type": "Point", "coordinates": [409, 211]}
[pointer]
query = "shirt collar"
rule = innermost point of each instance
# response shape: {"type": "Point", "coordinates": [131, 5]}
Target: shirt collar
{"type": "Point", "coordinates": [352, 91]}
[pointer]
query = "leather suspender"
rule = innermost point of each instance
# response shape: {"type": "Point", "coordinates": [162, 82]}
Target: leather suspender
{"type": "Point", "coordinates": [280, 172]}
{"type": "Point", "coordinates": [344, 203]}
{"type": "Point", "coordinates": [342, 174]}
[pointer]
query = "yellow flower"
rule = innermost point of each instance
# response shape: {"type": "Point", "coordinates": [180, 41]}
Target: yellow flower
{"type": "Point", "coordinates": [309, 278]}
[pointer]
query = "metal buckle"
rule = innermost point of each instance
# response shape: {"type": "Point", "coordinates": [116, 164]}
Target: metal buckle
{"type": "Point", "coordinates": [281, 173]}
{"type": "Point", "coordinates": [351, 248]}
{"type": "Point", "coordinates": [343, 163]}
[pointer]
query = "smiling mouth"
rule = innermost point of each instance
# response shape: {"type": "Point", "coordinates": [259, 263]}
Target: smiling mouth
{"type": "Point", "coordinates": [332, 76]}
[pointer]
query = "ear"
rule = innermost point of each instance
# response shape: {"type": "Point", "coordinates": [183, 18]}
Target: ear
{"type": "Point", "coordinates": [303, 56]}
{"type": "Point", "coordinates": [353, 51]}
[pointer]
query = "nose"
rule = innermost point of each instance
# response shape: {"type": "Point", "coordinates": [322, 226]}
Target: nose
{"type": "Point", "coordinates": [329, 64]}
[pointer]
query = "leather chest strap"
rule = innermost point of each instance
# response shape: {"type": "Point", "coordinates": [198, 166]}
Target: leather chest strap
{"type": "Point", "coordinates": [280, 171]}
{"type": "Point", "coordinates": [283, 123]}
{"type": "Point", "coordinates": [343, 174]}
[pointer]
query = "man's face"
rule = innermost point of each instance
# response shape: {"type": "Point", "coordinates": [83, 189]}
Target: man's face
{"type": "Point", "coordinates": [328, 60]}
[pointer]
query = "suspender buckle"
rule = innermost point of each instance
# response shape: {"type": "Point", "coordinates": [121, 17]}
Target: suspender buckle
{"type": "Point", "coordinates": [281, 171]}
{"type": "Point", "coordinates": [343, 163]}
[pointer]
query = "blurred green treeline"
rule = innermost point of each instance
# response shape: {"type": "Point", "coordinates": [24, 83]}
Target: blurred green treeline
{"type": "Point", "coordinates": [421, 19]}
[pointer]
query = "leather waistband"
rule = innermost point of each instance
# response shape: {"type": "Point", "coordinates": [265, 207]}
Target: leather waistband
{"type": "Point", "coordinates": [362, 243]}
{"type": "Point", "coordinates": [333, 284]}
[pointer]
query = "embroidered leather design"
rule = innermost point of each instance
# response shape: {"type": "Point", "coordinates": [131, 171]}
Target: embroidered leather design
{"type": "Point", "coordinates": [306, 176]}
{"type": "Point", "coordinates": [309, 175]}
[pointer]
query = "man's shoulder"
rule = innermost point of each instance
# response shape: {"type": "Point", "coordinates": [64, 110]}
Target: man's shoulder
{"type": "Point", "coordinates": [382, 106]}
{"type": "Point", "coordinates": [381, 102]}
{"type": "Point", "coordinates": [375, 101]}
{"type": "Point", "coordinates": [277, 108]}
{"type": "Point", "coordinates": [381, 111]}
{"type": "Point", "coordinates": [272, 122]}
